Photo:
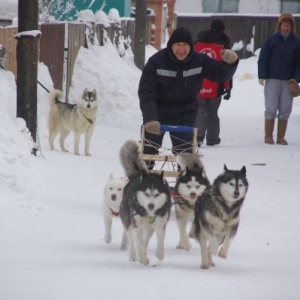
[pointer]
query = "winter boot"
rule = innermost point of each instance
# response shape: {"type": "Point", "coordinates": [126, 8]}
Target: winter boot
{"type": "Point", "coordinates": [269, 127]}
{"type": "Point", "coordinates": [282, 124]}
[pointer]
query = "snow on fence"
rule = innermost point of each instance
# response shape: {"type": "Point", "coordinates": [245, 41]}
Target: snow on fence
{"type": "Point", "coordinates": [60, 43]}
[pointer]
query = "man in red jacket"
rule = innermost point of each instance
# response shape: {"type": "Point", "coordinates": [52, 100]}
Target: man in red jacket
{"type": "Point", "coordinates": [209, 99]}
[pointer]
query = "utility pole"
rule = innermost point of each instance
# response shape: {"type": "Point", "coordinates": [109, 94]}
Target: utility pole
{"type": "Point", "coordinates": [140, 33]}
{"type": "Point", "coordinates": [27, 64]}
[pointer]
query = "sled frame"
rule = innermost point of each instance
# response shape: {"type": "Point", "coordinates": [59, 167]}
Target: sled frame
{"type": "Point", "coordinates": [167, 162]}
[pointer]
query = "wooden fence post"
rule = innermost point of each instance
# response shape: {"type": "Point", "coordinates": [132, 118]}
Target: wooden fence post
{"type": "Point", "coordinates": [27, 64]}
{"type": "Point", "coordinates": [140, 34]}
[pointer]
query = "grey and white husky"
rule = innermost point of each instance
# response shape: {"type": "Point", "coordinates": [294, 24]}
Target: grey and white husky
{"type": "Point", "coordinates": [217, 214]}
{"type": "Point", "coordinates": [78, 118]}
{"type": "Point", "coordinates": [145, 207]}
{"type": "Point", "coordinates": [190, 185]}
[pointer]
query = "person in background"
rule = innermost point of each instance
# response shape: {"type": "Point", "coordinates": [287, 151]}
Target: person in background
{"type": "Point", "coordinates": [169, 85]}
{"type": "Point", "coordinates": [209, 99]}
{"type": "Point", "coordinates": [279, 61]}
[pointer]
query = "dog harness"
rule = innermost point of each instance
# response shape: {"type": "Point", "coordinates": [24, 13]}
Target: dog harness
{"type": "Point", "coordinates": [218, 212]}
{"type": "Point", "coordinates": [184, 204]}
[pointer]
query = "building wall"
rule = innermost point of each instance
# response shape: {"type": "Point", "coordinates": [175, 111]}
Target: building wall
{"type": "Point", "coordinates": [188, 6]}
{"type": "Point", "coordinates": [245, 6]}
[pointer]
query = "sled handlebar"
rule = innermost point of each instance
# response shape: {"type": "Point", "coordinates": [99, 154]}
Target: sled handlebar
{"type": "Point", "coordinates": [176, 128]}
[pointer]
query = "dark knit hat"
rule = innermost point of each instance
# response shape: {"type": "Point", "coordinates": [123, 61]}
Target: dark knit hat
{"type": "Point", "coordinates": [286, 18]}
{"type": "Point", "coordinates": [217, 24]}
{"type": "Point", "coordinates": [180, 35]}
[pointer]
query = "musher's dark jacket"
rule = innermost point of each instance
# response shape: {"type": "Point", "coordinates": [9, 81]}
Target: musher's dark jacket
{"type": "Point", "coordinates": [168, 87]}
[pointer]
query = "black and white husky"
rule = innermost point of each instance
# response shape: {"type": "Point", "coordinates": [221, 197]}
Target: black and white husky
{"type": "Point", "coordinates": [190, 185]}
{"type": "Point", "coordinates": [217, 214]}
{"type": "Point", "coordinates": [145, 207]}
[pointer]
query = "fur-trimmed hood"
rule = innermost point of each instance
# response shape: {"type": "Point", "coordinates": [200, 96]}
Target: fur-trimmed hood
{"type": "Point", "coordinates": [286, 17]}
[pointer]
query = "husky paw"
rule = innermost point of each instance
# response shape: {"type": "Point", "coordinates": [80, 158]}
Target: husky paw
{"type": "Point", "coordinates": [132, 257]}
{"type": "Point", "coordinates": [123, 247]}
{"type": "Point", "coordinates": [160, 254]}
{"type": "Point", "coordinates": [204, 266]}
{"type": "Point", "coordinates": [185, 246]}
{"type": "Point", "coordinates": [144, 260]}
{"type": "Point", "coordinates": [87, 154]}
{"type": "Point", "coordinates": [222, 253]}
{"type": "Point", "coordinates": [107, 238]}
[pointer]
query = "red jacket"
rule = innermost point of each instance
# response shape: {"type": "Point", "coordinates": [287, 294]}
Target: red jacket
{"type": "Point", "coordinates": [209, 88]}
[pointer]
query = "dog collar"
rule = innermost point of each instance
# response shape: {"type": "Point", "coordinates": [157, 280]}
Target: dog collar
{"type": "Point", "coordinates": [88, 119]}
{"type": "Point", "coordinates": [151, 219]}
{"type": "Point", "coordinates": [221, 216]}
{"type": "Point", "coordinates": [116, 214]}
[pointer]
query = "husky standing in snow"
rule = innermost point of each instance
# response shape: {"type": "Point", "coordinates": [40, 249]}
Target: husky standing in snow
{"type": "Point", "coordinates": [79, 118]}
{"type": "Point", "coordinates": [190, 185]}
{"type": "Point", "coordinates": [217, 214]}
{"type": "Point", "coordinates": [145, 207]}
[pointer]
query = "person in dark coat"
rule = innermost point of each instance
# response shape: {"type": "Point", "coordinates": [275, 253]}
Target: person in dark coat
{"type": "Point", "coordinates": [207, 120]}
{"type": "Point", "coordinates": [278, 63]}
{"type": "Point", "coordinates": [169, 84]}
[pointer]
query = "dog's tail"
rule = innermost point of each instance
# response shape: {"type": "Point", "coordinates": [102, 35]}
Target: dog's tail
{"type": "Point", "coordinates": [55, 96]}
{"type": "Point", "coordinates": [131, 160]}
{"type": "Point", "coordinates": [190, 161]}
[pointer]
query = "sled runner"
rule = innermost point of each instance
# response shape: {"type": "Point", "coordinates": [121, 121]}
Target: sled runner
{"type": "Point", "coordinates": [165, 160]}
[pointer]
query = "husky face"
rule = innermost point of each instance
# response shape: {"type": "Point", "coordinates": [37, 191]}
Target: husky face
{"type": "Point", "coordinates": [152, 193]}
{"type": "Point", "coordinates": [233, 185]}
{"type": "Point", "coordinates": [89, 99]}
{"type": "Point", "coordinates": [191, 184]}
{"type": "Point", "coordinates": [151, 199]}
{"type": "Point", "coordinates": [114, 191]}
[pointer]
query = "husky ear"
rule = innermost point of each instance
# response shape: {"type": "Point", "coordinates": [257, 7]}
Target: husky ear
{"type": "Point", "coordinates": [84, 92]}
{"type": "Point", "coordinates": [111, 177]}
{"type": "Point", "coordinates": [243, 170]}
{"type": "Point", "coordinates": [94, 92]}
{"type": "Point", "coordinates": [225, 168]}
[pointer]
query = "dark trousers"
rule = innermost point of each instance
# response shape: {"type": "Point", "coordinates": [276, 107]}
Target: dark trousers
{"type": "Point", "coordinates": [207, 120]}
{"type": "Point", "coordinates": [181, 142]}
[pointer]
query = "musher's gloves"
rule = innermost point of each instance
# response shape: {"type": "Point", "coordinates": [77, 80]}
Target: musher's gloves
{"type": "Point", "coordinates": [153, 127]}
{"type": "Point", "coordinates": [229, 56]}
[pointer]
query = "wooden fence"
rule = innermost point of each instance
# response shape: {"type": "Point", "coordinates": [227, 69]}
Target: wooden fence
{"type": "Point", "coordinates": [55, 48]}
{"type": "Point", "coordinates": [7, 39]}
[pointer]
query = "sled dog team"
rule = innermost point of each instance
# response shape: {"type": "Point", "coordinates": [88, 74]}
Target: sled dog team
{"type": "Point", "coordinates": [143, 201]}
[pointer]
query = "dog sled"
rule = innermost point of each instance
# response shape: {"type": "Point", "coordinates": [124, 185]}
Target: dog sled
{"type": "Point", "coordinates": [165, 160]}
